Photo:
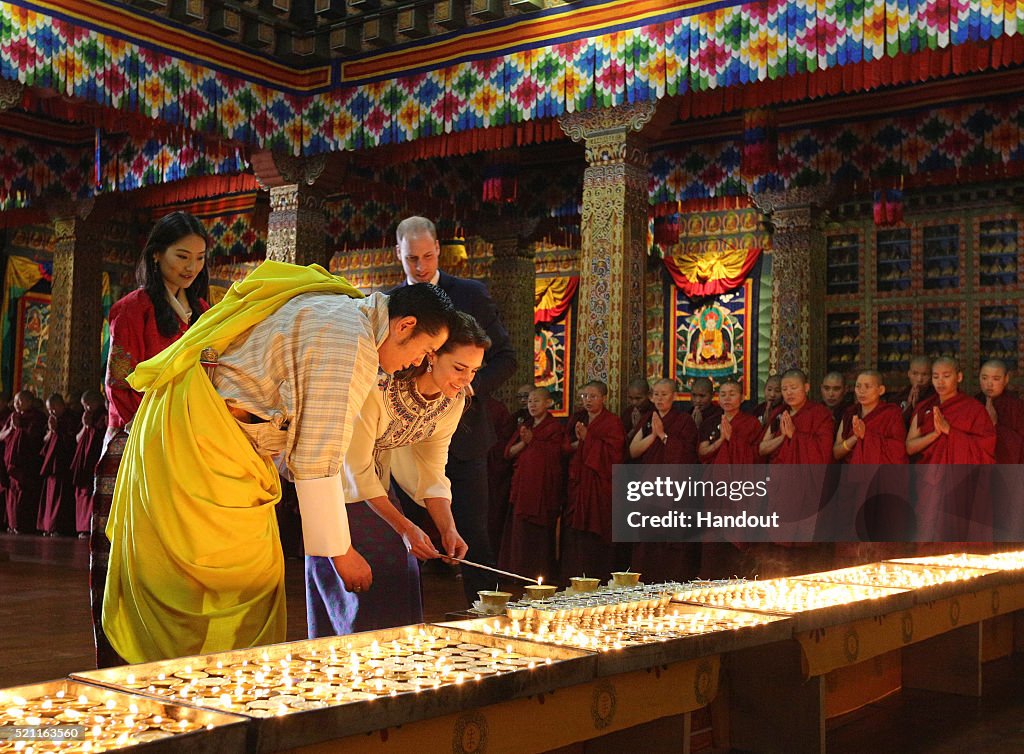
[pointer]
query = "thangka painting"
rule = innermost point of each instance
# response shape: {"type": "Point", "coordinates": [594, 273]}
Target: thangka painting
{"type": "Point", "coordinates": [552, 360]}
{"type": "Point", "coordinates": [30, 346]}
{"type": "Point", "coordinates": [713, 337]}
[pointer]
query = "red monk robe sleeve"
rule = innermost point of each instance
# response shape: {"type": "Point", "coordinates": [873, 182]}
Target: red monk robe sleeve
{"type": "Point", "coordinates": [1009, 430]}
{"type": "Point", "coordinates": [742, 447]}
{"type": "Point", "coordinates": [823, 437]}
{"type": "Point", "coordinates": [885, 439]}
{"type": "Point", "coordinates": [603, 445]}
{"type": "Point", "coordinates": [979, 434]}
{"type": "Point", "coordinates": [812, 440]}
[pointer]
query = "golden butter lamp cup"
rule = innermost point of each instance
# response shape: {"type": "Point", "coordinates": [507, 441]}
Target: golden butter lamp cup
{"type": "Point", "coordinates": [493, 599]}
{"type": "Point", "coordinates": [584, 584]}
{"type": "Point", "coordinates": [541, 591]}
{"type": "Point", "coordinates": [625, 578]}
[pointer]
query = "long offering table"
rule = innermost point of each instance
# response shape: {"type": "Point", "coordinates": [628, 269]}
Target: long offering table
{"type": "Point", "coordinates": [607, 668]}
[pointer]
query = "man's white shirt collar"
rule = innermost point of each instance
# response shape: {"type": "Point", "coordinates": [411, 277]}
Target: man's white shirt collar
{"type": "Point", "coordinates": [433, 280]}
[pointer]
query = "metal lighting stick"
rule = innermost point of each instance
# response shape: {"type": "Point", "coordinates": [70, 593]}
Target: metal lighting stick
{"type": "Point", "coordinates": [488, 568]}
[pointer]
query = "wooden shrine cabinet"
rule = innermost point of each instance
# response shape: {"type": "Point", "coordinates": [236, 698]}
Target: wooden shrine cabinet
{"type": "Point", "coordinates": [948, 281]}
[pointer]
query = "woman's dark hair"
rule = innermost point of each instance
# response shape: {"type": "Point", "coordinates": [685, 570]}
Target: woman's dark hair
{"type": "Point", "coordinates": [168, 230]}
{"type": "Point", "coordinates": [463, 330]}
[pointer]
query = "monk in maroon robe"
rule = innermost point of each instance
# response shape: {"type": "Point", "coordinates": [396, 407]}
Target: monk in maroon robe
{"type": "Point", "coordinates": [772, 399]}
{"type": "Point", "coordinates": [835, 397]}
{"type": "Point", "coordinates": [805, 428]}
{"type": "Point", "coordinates": [1006, 410]}
{"type": "Point", "coordinates": [499, 470]}
{"type": "Point", "coordinates": [5, 413]}
{"type": "Point", "coordinates": [665, 436]}
{"type": "Point", "coordinates": [521, 415]}
{"type": "Point", "coordinates": [587, 547]}
{"type": "Point", "coordinates": [702, 401]}
{"type": "Point", "coordinates": [733, 437]}
{"type": "Point", "coordinates": [57, 505]}
{"type": "Point", "coordinates": [23, 441]}
{"type": "Point", "coordinates": [919, 389]}
{"type": "Point", "coordinates": [89, 443]}
{"type": "Point", "coordinates": [638, 406]}
{"type": "Point", "coordinates": [951, 428]}
{"type": "Point", "coordinates": [800, 432]}
{"type": "Point", "coordinates": [538, 491]}
{"type": "Point", "coordinates": [872, 431]}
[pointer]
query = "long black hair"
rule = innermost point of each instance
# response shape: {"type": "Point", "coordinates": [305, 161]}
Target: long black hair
{"type": "Point", "coordinates": [168, 230]}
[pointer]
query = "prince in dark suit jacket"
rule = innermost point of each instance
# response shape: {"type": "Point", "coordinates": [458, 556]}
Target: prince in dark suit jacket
{"type": "Point", "coordinates": [419, 252]}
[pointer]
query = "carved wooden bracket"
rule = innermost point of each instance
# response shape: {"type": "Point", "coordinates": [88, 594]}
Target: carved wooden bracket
{"type": "Point", "coordinates": [11, 93]}
{"type": "Point", "coordinates": [794, 208]}
{"type": "Point", "coordinates": [273, 169]}
{"type": "Point", "coordinates": [587, 123]}
{"type": "Point", "coordinates": [65, 213]}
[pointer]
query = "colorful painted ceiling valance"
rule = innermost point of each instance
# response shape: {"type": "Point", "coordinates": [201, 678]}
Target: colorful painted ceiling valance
{"type": "Point", "coordinates": [361, 225]}
{"type": "Point", "coordinates": [237, 224]}
{"type": "Point", "coordinates": [635, 52]}
{"type": "Point", "coordinates": [553, 297]}
{"type": "Point", "coordinates": [973, 140]}
{"type": "Point", "coordinates": [703, 270]}
{"type": "Point", "coordinates": [33, 166]}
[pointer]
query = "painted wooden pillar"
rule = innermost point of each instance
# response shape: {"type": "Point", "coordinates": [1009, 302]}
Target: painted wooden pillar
{"type": "Point", "coordinates": [296, 230]}
{"type": "Point", "coordinates": [76, 317]}
{"type": "Point", "coordinates": [798, 288]}
{"type": "Point", "coordinates": [512, 288]}
{"type": "Point", "coordinates": [610, 343]}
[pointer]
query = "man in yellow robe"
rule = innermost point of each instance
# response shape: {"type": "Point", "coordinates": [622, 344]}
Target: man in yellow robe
{"type": "Point", "coordinates": [195, 562]}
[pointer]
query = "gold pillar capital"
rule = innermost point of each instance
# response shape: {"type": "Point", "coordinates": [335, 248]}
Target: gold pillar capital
{"type": "Point", "coordinates": [587, 124]}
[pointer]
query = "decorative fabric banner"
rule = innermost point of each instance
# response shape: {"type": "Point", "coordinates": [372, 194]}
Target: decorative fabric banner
{"type": "Point", "coordinates": [553, 297]}
{"type": "Point", "coordinates": [495, 76]}
{"type": "Point", "coordinates": [700, 271]}
{"type": "Point", "coordinates": [21, 275]}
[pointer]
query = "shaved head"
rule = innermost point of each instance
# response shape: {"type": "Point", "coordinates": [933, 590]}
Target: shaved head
{"type": "Point", "coordinates": [795, 374]}
{"type": "Point", "coordinates": [996, 364]}
{"type": "Point", "coordinates": [871, 373]}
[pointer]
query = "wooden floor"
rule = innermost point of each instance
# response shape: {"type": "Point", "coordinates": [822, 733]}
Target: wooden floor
{"type": "Point", "coordinates": [45, 621]}
{"type": "Point", "coordinates": [45, 633]}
